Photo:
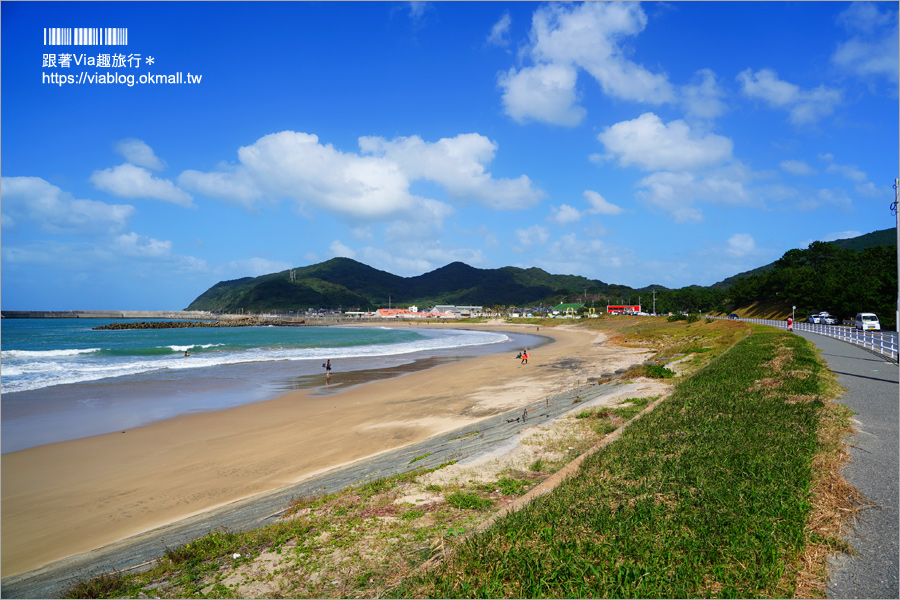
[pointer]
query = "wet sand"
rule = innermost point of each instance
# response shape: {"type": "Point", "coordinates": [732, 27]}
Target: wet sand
{"type": "Point", "coordinates": [74, 496]}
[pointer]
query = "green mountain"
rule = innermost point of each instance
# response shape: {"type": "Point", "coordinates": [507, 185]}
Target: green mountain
{"type": "Point", "coordinates": [835, 276]}
{"type": "Point", "coordinates": [883, 237]}
{"type": "Point", "coordinates": [346, 283]}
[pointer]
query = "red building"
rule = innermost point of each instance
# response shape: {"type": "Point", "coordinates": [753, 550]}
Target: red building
{"type": "Point", "coordinates": [623, 309]}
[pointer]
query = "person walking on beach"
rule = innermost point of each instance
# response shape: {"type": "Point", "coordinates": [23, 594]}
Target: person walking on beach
{"type": "Point", "coordinates": [525, 356]}
{"type": "Point", "coordinates": [327, 367]}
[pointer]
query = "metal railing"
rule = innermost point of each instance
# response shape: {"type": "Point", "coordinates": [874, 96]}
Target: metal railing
{"type": "Point", "coordinates": [882, 343]}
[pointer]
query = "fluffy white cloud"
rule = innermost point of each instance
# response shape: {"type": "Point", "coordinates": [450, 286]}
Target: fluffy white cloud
{"type": "Point", "coordinates": [600, 206]}
{"type": "Point", "coordinates": [139, 153]}
{"type": "Point", "coordinates": [851, 172]}
{"type": "Point", "coordinates": [703, 97]}
{"type": "Point", "coordinates": [804, 106]}
{"type": "Point", "coordinates": [533, 236]}
{"type": "Point", "coordinates": [564, 214]}
{"type": "Point", "coordinates": [589, 257]}
{"type": "Point", "coordinates": [458, 164]}
{"type": "Point", "coordinates": [34, 200]}
{"type": "Point", "coordinates": [872, 48]}
{"type": "Point", "coordinates": [650, 144]}
{"type": "Point", "coordinates": [373, 184]}
{"type": "Point", "coordinates": [141, 246]}
{"type": "Point", "coordinates": [797, 167]}
{"type": "Point", "coordinates": [590, 35]}
{"type": "Point", "coordinates": [566, 38]}
{"type": "Point", "coordinates": [499, 35]}
{"type": "Point", "coordinates": [677, 193]}
{"type": "Point", "coordinates": [415, 258]}
{"type": "Point", "coordinates": [741, 244]}
{"type": "Point", "coordinates": [130, 181]}
{"type": "Point", "coordinates": [338, 248]}
{"type": "Point", "coordinates": [543, 93]}
{"type": "Point", "coordinates": [235, 187]}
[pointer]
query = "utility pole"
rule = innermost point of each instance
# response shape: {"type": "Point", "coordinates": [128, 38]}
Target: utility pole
{"type": "Point", "coordinates": [895, 208]}
{"type": "Point", "coordinates": [654, 302]}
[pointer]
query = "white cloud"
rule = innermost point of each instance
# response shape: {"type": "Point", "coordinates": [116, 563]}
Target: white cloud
{"type": "Point", "coordinates": [569, 254]}
{"type": "Point", "coordinates": [458, 164]}
{"type": "Point", "coordinates": [677, 193]}
{"type": "Point", "coordinates": [499, 35]}
{"type": "Point", "coordinates": [373, 184]}
{"type": "Point", "coordinates": [741, 244]}
{"type": "Point", "coordinates": [872, 48]}
{"type": "Point", "coordinates": [338, 248]}
{"type": "Point", "coordinates": [600, 206]}
{"type": "Point", "coordinates": [825, 197]}
{"type": "Point", "coordinates": [804, 106]}
{"type": "Point", "coordinates": [565, 38]}
{"type": "Point", "coordinates": [235, 187]}
{"type": "Point", "coordinates": [703, 98]}
{"type": "Point", "coordinates": [590, 35]}
{"type": "Point", "coordinates": [797, 167]}
{"type": "Point", "coordinates": [141, 246]}
{"type": "Point", "coordinates": [851, 172]}
{"type": "Point", "coordinates": [564, 214]}
{"type": "Point", "coordinates": [139, 153]}
{"type": "Point", "coordinates": [34, 200]}
{"type": "Point", "coordinates": [129, 181]}
{"type": "Point", "coordinates": [543, 93]}
{"type": "Point", "coordinates": [532, 236]}
{"type": "Point", "coordinates": [838, 235]}
{"type": "Point", "coordinates": [253, 267]}
{"type": "Point", "coordinates": [419, 257]}
{"type": "Point", "coordinates": [648, 143]}
{"type": "Point", "coordinates": [363, 234]}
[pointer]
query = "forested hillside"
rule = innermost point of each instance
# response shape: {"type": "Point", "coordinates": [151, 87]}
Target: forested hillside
{"type": "Point", "coordinates": [842, 277]}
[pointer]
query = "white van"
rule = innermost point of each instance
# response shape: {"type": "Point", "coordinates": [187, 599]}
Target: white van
{"type": "Point", "coordinates": [867, 322]}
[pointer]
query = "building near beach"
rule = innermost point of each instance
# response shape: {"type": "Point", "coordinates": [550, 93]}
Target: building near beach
{"type": "Point", "coordinates": [460, 312]}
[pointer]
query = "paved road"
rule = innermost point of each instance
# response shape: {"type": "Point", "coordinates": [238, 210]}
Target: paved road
{"type": "Point", "coordinates": [872, 391]}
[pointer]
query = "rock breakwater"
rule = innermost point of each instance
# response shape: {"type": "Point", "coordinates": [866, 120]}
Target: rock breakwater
{"type": "Point", "coordinates": [249, 322]}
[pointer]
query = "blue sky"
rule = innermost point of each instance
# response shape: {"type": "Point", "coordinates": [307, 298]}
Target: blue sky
{"type": "Point", "coordinates": [668, 143]}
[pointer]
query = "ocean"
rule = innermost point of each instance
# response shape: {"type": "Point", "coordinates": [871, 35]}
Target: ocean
{"type": "Point", "coordinates": [62, 380]}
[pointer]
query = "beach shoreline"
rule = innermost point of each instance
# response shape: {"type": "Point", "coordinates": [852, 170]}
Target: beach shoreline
{"type": "Point", "coordinates": [71, 497]}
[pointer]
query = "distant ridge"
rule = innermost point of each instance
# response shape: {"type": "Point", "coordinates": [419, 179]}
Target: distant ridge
{"type": "Point", "coordinates": [883, 237]}
{"type": "Point", "coordinates": [350, 285]}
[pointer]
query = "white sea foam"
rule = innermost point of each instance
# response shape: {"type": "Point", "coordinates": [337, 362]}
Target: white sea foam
{"type": "Point", "coordinates": [31, 370]}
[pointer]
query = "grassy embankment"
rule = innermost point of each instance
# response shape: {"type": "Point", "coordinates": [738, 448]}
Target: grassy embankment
{"type": "Point", "coordinates": [728, 488]}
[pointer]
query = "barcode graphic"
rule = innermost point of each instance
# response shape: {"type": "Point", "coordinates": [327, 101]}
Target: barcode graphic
{"type": "Point", "coordinates": [85, 36]}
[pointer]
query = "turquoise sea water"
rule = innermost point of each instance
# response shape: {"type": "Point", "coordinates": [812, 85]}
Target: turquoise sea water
{"type": "Point", "coordinates": [62, 380]}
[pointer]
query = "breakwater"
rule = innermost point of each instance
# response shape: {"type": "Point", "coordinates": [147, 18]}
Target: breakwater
{"type": "Point", "coordinates": [246, 322]}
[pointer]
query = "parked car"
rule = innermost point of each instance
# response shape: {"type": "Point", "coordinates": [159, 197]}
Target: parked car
{"type": "Point", "coordinates": [867, 322]}
{"type": "Point", "coordinates": [733, 316]}
{"type": "Point", "coordinates": [815, 318]}
{"type": "Point", "coordinates": [828, 319]}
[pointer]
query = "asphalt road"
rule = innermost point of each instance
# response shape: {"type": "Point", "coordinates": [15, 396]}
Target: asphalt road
{"type": "Point", "coordinates": [872, 392]}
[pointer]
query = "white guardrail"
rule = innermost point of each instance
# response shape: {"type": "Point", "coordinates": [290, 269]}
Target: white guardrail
{"type": "Point", "coordinates": [882, 343]}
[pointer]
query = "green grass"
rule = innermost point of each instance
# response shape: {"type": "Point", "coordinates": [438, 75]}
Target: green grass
{"type": "Point", "coordinates": [708, 495]}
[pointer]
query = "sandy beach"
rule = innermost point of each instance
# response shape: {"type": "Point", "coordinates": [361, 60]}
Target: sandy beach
{"type": "Point", "coordinates": [70, 497]}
